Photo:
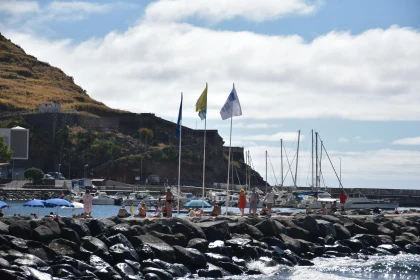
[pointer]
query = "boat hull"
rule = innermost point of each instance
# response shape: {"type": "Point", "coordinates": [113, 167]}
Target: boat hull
{"type": "Point", "coordinates": [370, 205]}
{"type": "Point", "coordinates": [101, 201]}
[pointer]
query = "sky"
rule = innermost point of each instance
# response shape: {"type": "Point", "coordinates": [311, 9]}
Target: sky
{"type": "Point", "coordinates": [347, 69]}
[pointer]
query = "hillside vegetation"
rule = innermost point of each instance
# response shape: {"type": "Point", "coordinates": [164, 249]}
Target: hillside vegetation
{"type": "Point", "coordinates": [26, 82]}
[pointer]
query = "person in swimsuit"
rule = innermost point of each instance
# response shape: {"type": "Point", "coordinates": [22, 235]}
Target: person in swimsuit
{"type": "Point", "coordinates": [169, 200]}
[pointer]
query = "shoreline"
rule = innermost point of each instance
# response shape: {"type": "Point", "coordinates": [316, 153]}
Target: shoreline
{"type": "Point", "coordinates": [214, 247]}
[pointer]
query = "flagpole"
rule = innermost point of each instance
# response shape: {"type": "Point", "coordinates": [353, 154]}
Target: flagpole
{"type": "Point", "coordinates": [230, 146]}
{"type": "Point", "coordinates": [179, 159]}
{"type": "Point", "coordinates": [204, 163]}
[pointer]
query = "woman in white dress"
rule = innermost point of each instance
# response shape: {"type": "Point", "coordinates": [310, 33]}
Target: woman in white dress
{"type": "Point", "coordinates": [87, 203]}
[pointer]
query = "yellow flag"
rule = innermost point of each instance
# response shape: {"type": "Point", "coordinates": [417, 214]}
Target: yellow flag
{"type": "Point", "coordinates": [201, 105]}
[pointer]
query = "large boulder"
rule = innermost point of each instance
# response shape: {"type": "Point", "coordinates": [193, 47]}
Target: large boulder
{"type": "Point", "coordinates": [4, 228]}
{"type": "Point", "coordinates": [21, 228]}
{"type": "Point", "coordinates": [405, 239]}
{"type": "Point", "coordinates": [69, 234]}
{"type": "Point", "coordinates": [120, 252]}
{"type": "Point", "coordinates": [96, 247]}
{"type": "Point", "coordinates": [271, 227]}
{"type": "Point", "coordinates": [214, 258]}
{"type": "Point", "coordinates": [49, 223]}
{"type": "Point", "coordinates": [198, 243]}
{"type": "Point", "coordinates": [161, 249]}
{"type": "Point", "coordinates": [171, 239]}
{"type": "Point", "coordinates": [292, 244]}
{"type": "Point", "coordinates": [124, 229]}
{"type": "Point", "coordinates": [215, 230]}
{"type": "Point", "coordinates": [244, 228]}
{"type": "Point", "coordinates": [187, 228]}
{"type": "Point", "coordinates": [41, 250]}
{"type": "Point", "coordinates": [64, 247]}
{"type": "Point", "coordinates": [29, 260]}
{"type": "Point", "coordinates": [190, 257]}
{"type": "Point", "coordinates": [98, 226]}
{"type": "Point", "coordinates": [162, 274]}
{"type": "Point", "coordinates": [341, 232]}
{"type": "Point", "coordinates": [326, 228]}
{"type": "Point", "coordinates": [355, 228]}
{"type": "Point", "coordinates": [412, 230]}
{"type": "Point", "coordinates": [80, 226]}
{"type": "Point", "coordinates": [43, 234]}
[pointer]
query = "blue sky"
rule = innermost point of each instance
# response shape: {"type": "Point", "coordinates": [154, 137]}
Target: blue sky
{"type": "Point", "coordinates": [347, 69]}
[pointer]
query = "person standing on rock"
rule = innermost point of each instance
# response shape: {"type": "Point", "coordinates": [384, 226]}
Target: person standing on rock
{"type": "Point", "coordinates": [269, 198]}
{"type": "Point", "coordinates": [343, 198]}
{"type": "Point", "coordinates": [253, 201]}
{"type": "Point", "coordinates": [242, 202]}
{"type": "Point", "coordinates": [87, 203]}
{"type": "Point", "coordinates": [169, 200]}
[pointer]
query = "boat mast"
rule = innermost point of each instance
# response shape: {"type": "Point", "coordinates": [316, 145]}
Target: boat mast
{"type": "Point", "coordinates": [320, 163]}
{"type": "Point", "coordinates": [316, 160]}
{"type": "Point", "coordinates": [246, 169]}
{"type": "Point", "coordinates": [297, 159]}
{"type": "Point", "coordinates": [266, 171]}
{"type": "Point", "coordinates": [312, 159]}
{"type": "Point", "coordinates": [281, 156]}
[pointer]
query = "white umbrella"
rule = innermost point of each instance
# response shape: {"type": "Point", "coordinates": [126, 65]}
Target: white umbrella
{"type": "Point", "coordinates": [77, 205]}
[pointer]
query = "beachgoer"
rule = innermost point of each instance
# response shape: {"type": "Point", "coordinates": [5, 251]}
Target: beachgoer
{"type": "Point", "coordinates": [191, 213]}
{"type": "Point", "coordinates": [87, 203]}
{"type": "Point", "coordinates": [264, 210]}
{"type": "Point", "coordinates": [164, 213]}
{"type": "Point", "coordinates": [253, 201]}
{"type": "Point", "coordinates": [1, 212]}
{"type": "Point", "coordinates": [169, 200]}
{"type": "Point", "coordinates": [343, 198]}
{"type": "Point", "coordinates": [308, 209]}
{"type": "Point", "coordinates": [158, 211]}
{"type": "Point", "coordinates": [324, 209]}
{"type": "Point", "coordinates": [395, 211]}
{"type": "Point", "coordinates": [142, 210]}
{"type": "Point", "coordinates": [122, 213]}
{"type": "Point", "coordinates": [269, 197]}
{"type": "Point", "coordinates": [242, 202]}
{"type": "Point", "coordinates": [216, 211]}
{"type": "Point", "coordinates": [334, 207]}
{"type": "Point", "coordinates": [132, 207]}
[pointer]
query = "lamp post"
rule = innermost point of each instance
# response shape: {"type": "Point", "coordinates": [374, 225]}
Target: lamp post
{"type": "Point", "coordinates": [59, 165]}
{"type": "Point", "coordinates": [86, 166]}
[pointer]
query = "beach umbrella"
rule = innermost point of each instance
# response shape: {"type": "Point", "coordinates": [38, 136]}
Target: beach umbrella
{"type": "Point", "coordinates": [35, 203]}
{"type": "Point", "coordinates": [197, 204]}
{"type": "Point", "coordinates": [54, 202]}
{"type": "Point", "coordinates": [3, 204]}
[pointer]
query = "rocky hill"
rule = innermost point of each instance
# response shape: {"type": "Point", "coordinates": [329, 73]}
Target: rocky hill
{"type": "Point", "coordinates": [26, 82]}
{"type": "Point", "coordinates": [73, 139]}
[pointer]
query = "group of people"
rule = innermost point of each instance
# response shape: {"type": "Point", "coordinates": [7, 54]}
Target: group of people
{"type": "Point", "coordinates": [253, 200]}
{"type": "Point", "coordinates": [334, 208]}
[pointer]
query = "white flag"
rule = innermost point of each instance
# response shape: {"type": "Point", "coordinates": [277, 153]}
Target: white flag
{"type": "Point", "coordinates": [232, 106]}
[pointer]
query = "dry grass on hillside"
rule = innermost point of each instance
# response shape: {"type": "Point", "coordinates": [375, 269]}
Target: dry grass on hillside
{"type": "Point", "coordinates": [25, 83]}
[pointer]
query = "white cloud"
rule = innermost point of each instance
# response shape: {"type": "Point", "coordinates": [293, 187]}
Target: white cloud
{"type": "Point", "coordinates": [143, 69]}
{"type": "Point", "coordinates": [252, 125]}
{"type": "Point", "coordinates": [360, 140]}
{"type": "Point", "coordinates": [219, 10]}
{"type": "Point", "coordinates": [343, 140]}
{"type": "Point", "coordinates": [18, 7]}
{"type": "Point", "coordinates": [73, 7]}
{"type": "Point", "coordinates": [407, 141]}
{"type": "Point", "coordinates": [286, 136]}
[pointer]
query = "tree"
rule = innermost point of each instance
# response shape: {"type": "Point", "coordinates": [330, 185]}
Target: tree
{"type": "Point", "coordinates": [146, 135]}
{"type": "Point", "coordinates": [5, 153]}
{"type": "Point", "coordinates": [35, 175]}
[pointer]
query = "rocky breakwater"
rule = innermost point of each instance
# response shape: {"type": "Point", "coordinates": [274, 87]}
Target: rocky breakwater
{"type": "Point", "coordinates": [114, 248]}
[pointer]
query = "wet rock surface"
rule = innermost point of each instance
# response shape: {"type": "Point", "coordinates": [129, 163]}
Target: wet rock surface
{"type": "Point", "coordinates": [182, 247]}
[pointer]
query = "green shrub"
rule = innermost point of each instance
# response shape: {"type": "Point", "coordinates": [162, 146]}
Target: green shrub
{"type": "Point", "coordinates": [34, 174]}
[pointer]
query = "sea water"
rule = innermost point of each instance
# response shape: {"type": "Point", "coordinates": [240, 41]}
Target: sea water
{"type": "Point", "coordinates": [402, 266]}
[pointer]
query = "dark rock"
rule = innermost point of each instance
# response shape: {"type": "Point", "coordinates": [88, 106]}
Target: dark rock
{"type": "Point", "coordinates": [19, 244]}
{"type": "Point", "coordinates": [381, 252]}
{"type": "Point", "coordinates": [137, 230]}
{"type": "Point", "coordinates": [151, 276]}
{"type": "Point", "coordinates": [120, 252]}
{"type": "Point", "coordinates": [96, 247]}
{"type": "Point", "coordinates": [41, 251]}
{"type": "Point", "coordinates": [150, 263]}
{"type": "Point", "coordinates": [214, 258]}
{"type": "Point", "coordinates": [368, 239]}
{"type": "Point", "coordinates": [215, 230]}
{"type": "Point", "coordinates": [210, 273]}
{"type": "Point", "coordinates": [168, 267]}
{"type": "Point", "coordinates": [412, 248]}
{"type": "Point", "coordinates": [329, 240]}
{"type": "Point", "coordinates": [252, 220]}
{"type": "Point", "coordinates": [158, 227]}
{"type": "Point", "coordinates": [328, 218]}
{"type": "Point", "coordinates": [355, 229]}
{"type": "Point", "coordinates": [124, 229]}
{"type": "Point", "coordinates": [270, 227]}
{"type": "Point", "coordinates": [311, 225]}
{"type": "Point", "coordinates": [71, 235]}
{"type": "Point", "coordinates": [338, 248]}
{"type": "Point", "coordinates": [303, 262]}
{"type": "Point", "coordinates": [326, 228]}
{"type": "Point", "coordinates": [29, 260]}
{"type": "Point", "coordinates": [190, 257]}
{"type": "Point", "coordinates": [145, 252]}
{"type": "Point", "coordinates": [98, 226]}
{"type": "Point", "coordinates": [20, 229]}
{"type": "Point", "coordinates": [198, 243]}
{"type": "Point", "coordinates": [124, 269]}
{"type": "Point", "coordinates": [218, 247]}
{"type": "Point", "coordinates": [38, 275]}
{"type": "Point", "coordinates": [406, 238]}
{"type": "Point", "coordinates": [354, 244]}
{"type": "Point", "coordinates": [385, 239]}
{"type": "Point", "coordinates": [392, 248]}
{"type": "Point", "coordinates": [163, 275]}
{"type": "Point", "coordinates": [232, 268]}
{"type": "Point", "coordinates": [97, 263]}
{"type": "Point", "coordinates": [237, 242]}
{"type": "Point", "coordinates": [186, 227]}
{"type": "Point", "coordinates": [260, 244]}
{"type": "Point", "coordinates": [400, 221]}
{"type": "Point", "coordinates": [107, 273]}
{"type": "Point", "coordinates": [49, 223]}
{"type": "Point", "coordinates": [121, 238]}
{"type": "Point", "coordinates": [293, 244]}
{"type": "Point", "coordinates": [43, 234]}
{"type": "Point", "coordinates": [242, 227]}
{"type": "Point", "coordinates": [171, 239]}
{"type": "Point", "coordinates": [80, 226]}
{"type": "Point", "coordinates": [64, 247]}
{"type": "Point", "coordinates": [77, 264]}
{"type": "Point", "coordinates": [412, 230]}
{"type": "Point", "coordinates": [240, 262]}
{"type": "Point", "coordinates": [247, 252]}
{"type": "Point", "coordinates": [342, 232]}
{"type": "Point", "coordinates": [55, 268]}
{"type": "Point", "coordinates": [4, 264]}
{"type": "Point", "coordinates": [4, 228]}
{"type": "Point", "coordinates": [332, 254]}
{"type": "Point", "coordinates": [160, 248]}
{"type": "Point", "coordinates": [10, 274]}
